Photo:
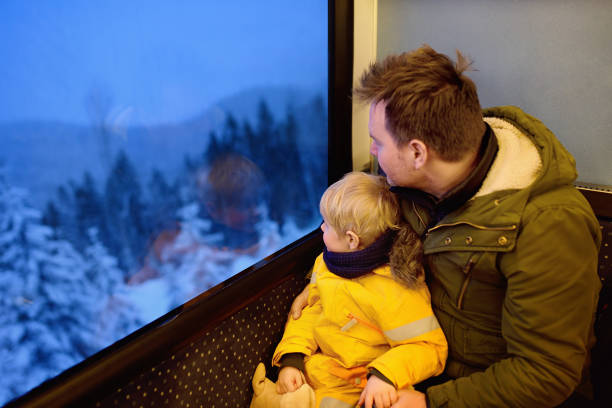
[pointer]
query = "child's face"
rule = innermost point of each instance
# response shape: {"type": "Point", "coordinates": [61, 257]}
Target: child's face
{"type": "Point", "coordinates": [333, 241]}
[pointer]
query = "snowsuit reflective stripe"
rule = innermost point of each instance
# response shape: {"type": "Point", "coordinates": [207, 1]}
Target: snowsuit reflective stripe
{"type": "Point", "coordinates": [370, 321]}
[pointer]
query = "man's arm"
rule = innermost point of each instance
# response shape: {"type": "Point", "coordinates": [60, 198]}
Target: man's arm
{"type": "Point", "coordinates": [410, 399]}
{"type": "Point", "coordinates": [377, 393]}
{"type": "Point", "coordinates": [301, 300]}
{"type": "Point", "coordinates": [547, 316]}
{"type": "Point", "coordinates": [299, 303]}
{"type": "Point", "coordinates": [299, 332]}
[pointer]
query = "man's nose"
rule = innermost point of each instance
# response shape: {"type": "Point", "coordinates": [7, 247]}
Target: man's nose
{"type": "Point", "coordinates": [373, 150]}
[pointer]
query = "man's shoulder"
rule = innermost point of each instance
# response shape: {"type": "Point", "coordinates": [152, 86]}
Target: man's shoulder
{"type": "Point", "coordinates": [566, 198]}
{"type": "Point", "coordinates": [562, 218]}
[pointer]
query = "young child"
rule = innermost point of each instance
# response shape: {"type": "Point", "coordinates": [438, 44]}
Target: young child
{"type": "Point", "coordinates": [368, 329]}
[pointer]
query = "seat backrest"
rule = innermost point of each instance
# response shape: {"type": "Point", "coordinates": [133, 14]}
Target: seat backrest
{"type": "Point", "coordinates": [214, 370]}
{"type": "Point", "coordinates": [601, 368]}
{"type": "Point", "coordinates": [213, 364]}
{"type": "Point", "coordinates": [600, 199]}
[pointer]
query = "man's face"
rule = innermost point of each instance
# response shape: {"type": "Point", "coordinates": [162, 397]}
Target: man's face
{"type": "Point", "coordinates": [395, 161]}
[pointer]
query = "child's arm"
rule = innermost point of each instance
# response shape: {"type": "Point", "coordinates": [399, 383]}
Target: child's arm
{"type": "Point", "coordinates": [418, 346]}
{"type": "Point", "coordinates": [377, 393]}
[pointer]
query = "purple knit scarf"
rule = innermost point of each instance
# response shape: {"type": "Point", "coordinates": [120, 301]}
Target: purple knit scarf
{"type": "Point", "coordinates": [358, 263]}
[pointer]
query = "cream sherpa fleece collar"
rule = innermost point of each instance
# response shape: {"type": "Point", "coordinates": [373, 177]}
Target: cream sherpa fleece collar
{"type": "Point", "coordinates": [517, 163]}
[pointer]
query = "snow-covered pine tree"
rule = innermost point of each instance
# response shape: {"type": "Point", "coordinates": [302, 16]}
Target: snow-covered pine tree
{"type": "Point", "coordinates": [124, 213]}
{"type": "Point", "coordinates": [89, 212]}
{"type": "Point", "coordinates": [294, 204]}
{"type": "Point", "coordinates": [48, 303]}
{"type": "Point", "coordinates": [114, 318]}
{"type": "Point", "coordinates": [162, 203]}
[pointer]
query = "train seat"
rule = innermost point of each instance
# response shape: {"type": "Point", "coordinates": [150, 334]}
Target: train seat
{"type": "Point", "coordinates": [204, 355]}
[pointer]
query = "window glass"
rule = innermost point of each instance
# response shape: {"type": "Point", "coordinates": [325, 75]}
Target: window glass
{"type": "Point", "coordinates": [150, 150]}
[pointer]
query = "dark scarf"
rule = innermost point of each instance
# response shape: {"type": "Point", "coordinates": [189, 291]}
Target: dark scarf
{"type": "Point", "coordinates": [459, 195]}
{"type": "Point", "coordinates": [358, 263]}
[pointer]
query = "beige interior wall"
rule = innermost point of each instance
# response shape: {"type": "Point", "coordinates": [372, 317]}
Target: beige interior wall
{"type": "Point", "coordinates": [364, 54]}
{"type": "Point", "coordinates": [553, 58]}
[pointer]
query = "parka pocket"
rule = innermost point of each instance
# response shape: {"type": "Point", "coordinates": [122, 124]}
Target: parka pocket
{"type": "Point", "coordinates": [483, 348]}
{"type": "Point", "coordinates": [477, 341]}
{"type": "Point", "coordinates": [353, 320]}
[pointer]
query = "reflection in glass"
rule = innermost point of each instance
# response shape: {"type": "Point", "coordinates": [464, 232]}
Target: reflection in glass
{"type": "Point", "coordinates": [150, 151]}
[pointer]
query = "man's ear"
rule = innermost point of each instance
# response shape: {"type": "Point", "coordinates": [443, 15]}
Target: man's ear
{"type": "Point", "coordinates": [419, 152]}
{"type": "Point", "coordinates": [352, 240]}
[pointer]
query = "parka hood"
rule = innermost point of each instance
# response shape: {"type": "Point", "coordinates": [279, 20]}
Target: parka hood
{"type": "Point", "coordinates": [556, 165]}
{"type": "Point", "coordinates": [530, 162]}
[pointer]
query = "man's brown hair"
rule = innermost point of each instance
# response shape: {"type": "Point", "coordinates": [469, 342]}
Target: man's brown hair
{"type": "Point", "coordinates": [428, 98]}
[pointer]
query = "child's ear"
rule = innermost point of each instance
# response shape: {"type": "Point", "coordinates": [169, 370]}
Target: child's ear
{"type": "Point", "coordinates": [353, 240]}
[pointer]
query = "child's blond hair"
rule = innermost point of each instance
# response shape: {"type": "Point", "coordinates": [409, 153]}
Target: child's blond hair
{"type": "Point", "coordinates": [361, 203]}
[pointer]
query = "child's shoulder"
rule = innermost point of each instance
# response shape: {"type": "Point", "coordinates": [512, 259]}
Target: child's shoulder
{"type": "Point", "coordinates": [319, 268]}
{"type": "Point", "coordinates": [319, 264]}
{"type": "Point", "coordinates": [383, 276]}
{"type": "Point", "coordinates": [383, 271]}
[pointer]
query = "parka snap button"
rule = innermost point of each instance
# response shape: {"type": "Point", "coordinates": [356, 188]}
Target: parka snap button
{"type": "Point", "coordinates": [468, 240]}
{"type": "Point", "coordinates": [496, 202]}
{"type": "Point", "coordinates": [448, 240]}
{"type": "Point", "coordinates": [502, 240]}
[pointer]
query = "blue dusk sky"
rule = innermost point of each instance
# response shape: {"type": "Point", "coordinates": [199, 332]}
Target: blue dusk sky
{"type": "Point", "coordinates": [159, 61]}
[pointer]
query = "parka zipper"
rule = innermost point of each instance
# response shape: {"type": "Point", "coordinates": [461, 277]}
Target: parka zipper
{"type": "Point", "coordinates": [467, 271]}
{"type": "Point", "coordinates": [480, 227]}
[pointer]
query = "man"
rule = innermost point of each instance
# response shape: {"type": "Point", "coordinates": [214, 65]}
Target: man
{"type": "Point", "coordinates": [511, 246]}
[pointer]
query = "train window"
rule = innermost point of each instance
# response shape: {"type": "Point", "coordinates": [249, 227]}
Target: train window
{"type": "Point", "coordinates": [150, 150]}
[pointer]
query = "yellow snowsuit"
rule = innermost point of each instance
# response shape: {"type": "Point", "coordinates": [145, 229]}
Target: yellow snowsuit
{"type": "Point", "coordinates": [351, 325]}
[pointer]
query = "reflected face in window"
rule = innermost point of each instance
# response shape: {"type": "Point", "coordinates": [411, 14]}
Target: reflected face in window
{"type": "Point", "coordinates": [236, 217]}
{"type": "Point", "coordinates": [233, 192]}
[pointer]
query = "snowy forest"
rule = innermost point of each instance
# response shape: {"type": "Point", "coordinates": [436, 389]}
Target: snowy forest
{"type": "Point", "coordinates": [106, 255]}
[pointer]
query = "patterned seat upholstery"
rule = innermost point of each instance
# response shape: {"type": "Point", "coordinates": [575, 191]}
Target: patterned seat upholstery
{"type": "Point", "coordinates": [601, 369]}
{"type": "Point", "coordinates": [213, 368]}
{"type": "Point", "coordinates": [216, 369]}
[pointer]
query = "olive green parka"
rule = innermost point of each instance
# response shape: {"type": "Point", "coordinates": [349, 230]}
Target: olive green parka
{"type": "Point", "coordinates": [513, 275]}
